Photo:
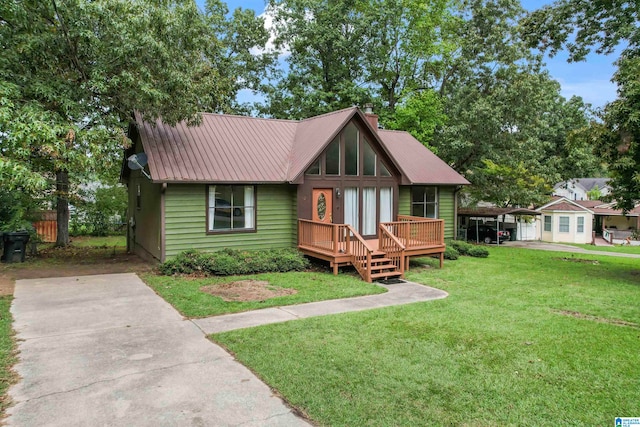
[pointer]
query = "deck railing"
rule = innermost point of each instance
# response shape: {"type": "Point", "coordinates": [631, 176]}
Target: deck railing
{"type": "Point", "coordinates": [360, 255]}
{"type": "Point", "coordinates": [393, 248]}
{"type": "Point", "coordinates": [334, 238]}
{"type": "Point", "coordinates": [416, 232]}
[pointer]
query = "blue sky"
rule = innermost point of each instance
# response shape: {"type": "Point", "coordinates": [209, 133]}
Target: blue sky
{"type": "Point", "coordinates": [590, 79]}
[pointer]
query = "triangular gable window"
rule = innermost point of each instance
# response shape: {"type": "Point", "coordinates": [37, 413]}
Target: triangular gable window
{"type": "Point", "coordinates": [349, 154]}
{"type": "Point", "coordinates": [383, 170]}
{"type": "Point", "coordinates": [333, 157]}
{"type": "Point", "coordinates": [369, 159]}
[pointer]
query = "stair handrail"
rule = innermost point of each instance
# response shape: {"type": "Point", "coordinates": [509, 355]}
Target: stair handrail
{"type": "Point", "coordinates": [392, 247]}
{"type": "Point", "coordinates": [360, 254]}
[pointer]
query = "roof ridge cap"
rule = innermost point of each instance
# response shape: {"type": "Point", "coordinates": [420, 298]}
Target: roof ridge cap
{"type": "Point", "coordinates": [328, 114]}
{"type": "Point", "coordinates": [238, 116]}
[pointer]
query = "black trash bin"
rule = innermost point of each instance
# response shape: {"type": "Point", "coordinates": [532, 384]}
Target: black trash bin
{"type": "Point", "coordinates": [15, 245]}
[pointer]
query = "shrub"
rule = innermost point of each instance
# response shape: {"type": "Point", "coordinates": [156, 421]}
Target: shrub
{"type": "Point", "coordinates": [478, 252]}
{"type": "Point", "coordinates": [461, 246]}
{"type": "Point", "coordinates": [229, 262]}
{"type": "Point", "coordinates": [451, 253]}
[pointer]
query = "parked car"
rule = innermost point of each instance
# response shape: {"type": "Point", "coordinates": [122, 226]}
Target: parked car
{"type": "Point", "coordinates": [223, 207]}
{"type": "Point", "coordinates": [487, 234]}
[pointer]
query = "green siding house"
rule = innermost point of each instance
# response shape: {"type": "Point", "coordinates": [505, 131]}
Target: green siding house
{"type": "Point", "coordinates": [251, 183]}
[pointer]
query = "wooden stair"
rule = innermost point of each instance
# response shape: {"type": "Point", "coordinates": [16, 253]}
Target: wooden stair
{"type": "Point", "coordinates": [381, 267]}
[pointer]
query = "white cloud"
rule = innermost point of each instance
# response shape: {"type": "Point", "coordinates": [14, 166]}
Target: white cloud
{"type": "Point", "coordinates": [269, 17]}
{"type": "Point", "coordinates": [596, 92]}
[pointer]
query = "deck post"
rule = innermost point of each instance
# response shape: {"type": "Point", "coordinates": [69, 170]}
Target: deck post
{"type": "Point", "coordinates": [335, 240]}
{"type": "Point", "coordinates": [441, 259]}
{"type": "Point", "coordinates": [347, 244]}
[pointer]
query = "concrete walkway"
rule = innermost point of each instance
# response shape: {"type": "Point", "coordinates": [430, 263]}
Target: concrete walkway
{"type": "Point", "coordinates": [107, 351]}
{"type": "Point", "coordinates": [559, 247]}
{"type": "Point", "coordinates": [398, 294]}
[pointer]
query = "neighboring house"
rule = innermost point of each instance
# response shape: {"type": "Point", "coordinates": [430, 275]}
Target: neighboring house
{"type": "Point", "coordinates": [613, 224]}
{"type": "Point", "coordinates": [578, 188]}
{"type": "Point", "coordinates": [323, 184]}
{"type": "Point", "coordinates": [566, 221]}
{"type": "Point", "coordinates": [578, 221]}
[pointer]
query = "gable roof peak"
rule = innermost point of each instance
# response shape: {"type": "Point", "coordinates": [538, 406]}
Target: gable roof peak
{"type": "Point", "coordinates": [331, 113]}
{"type": "Point", "coordinates": [563, 201]}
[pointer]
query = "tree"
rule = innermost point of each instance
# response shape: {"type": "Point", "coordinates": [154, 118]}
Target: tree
{"type": "Point", "coordinates": [350, 52]}
{"type": "Point", "coordinates": [580, 26]}
{"type": "Point", "coordinates": [507, 126]}
{"type": "Point", "coordinates": [619, 135]}
{"type": "Point", "coordinates": [325, 40]}
{"type": "Point", "coordinates": [594, 193]}
{"type": "Point", "coordinates": [456, 75]}
{"type": "Point", "coordinates": [72, 73]}
{"type": "Point", "coordinates": [420, 114]}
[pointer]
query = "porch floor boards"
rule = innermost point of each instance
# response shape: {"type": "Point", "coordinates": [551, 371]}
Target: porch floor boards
{"type": "Point", "coordinates": [342, 257]}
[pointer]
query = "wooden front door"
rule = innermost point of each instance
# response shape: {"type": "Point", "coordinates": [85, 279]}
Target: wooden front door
{"type": "Point", "coordinates": [322, 205]}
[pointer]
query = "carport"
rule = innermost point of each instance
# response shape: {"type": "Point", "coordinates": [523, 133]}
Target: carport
{"type": "Point", "coordinates": [466, 215]}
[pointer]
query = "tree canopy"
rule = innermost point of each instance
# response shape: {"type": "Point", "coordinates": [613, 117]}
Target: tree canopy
{"type": "Point", "coordinates": [580, 27]}
{"type": "Point", "coordinates": [457, 75]}
{"type": "Point", "coordinates": [72, 73]}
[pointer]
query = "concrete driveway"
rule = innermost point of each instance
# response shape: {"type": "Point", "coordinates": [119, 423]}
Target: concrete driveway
{"type": "Point", "coordinates": [107, 351]}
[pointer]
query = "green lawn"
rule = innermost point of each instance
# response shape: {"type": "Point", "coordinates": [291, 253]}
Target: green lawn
{"type": "Point", "coordinates": [185, 295]}
{"type": "Point", "coordinates": [96, 241]}
{"type": "Point", "coordinates": [525, 338]}
{"type": "Point", "coordinates": [7, 351]}
{"type": "Point", "coordinates": [624, 249]}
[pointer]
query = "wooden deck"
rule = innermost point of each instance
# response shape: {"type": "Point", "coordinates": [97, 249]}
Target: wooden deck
{"type": "Point", "coordinates": [386, 256]}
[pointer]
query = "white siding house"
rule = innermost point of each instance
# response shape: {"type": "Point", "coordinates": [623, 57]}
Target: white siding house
{"type": "Point", "coordinates": [578, 188]}
{"type": "Point", "coordinates": [564, 221]}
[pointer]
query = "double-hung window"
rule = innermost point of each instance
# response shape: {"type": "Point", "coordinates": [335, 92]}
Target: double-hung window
{"type": "Point", "coordinates": [580, 226]}
{"type": "Point", "coordinates": [563, 224]}
{"type": "Point", "coordinates": [424, 202]}
{"type": "Point", "coordinates": [231, 208]}
{"type": "Point", "coordinates": [547, 223]}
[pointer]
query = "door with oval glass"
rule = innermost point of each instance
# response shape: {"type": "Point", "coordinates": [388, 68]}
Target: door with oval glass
{"type": "Point", "coordinates": [322, 210]}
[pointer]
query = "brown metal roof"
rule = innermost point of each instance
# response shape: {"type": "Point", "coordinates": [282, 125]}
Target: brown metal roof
{"type": "Point", "coordinates": [222, 148]}
{"type": "Point", "coordinates": [226, 148]}
{"type": "Point", "coordinates": [418, 163]}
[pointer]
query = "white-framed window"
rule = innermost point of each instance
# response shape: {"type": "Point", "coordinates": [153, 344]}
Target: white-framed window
{"type": "Point", "coordinates": [424, 201]}
{"type": "Point", "coordinates": [231, 208]}
{"type": "Point", "coordinates": [580, 226]}
{"type": "Point", "coordinates": [547, 223]}
{"type": "Point", "coordinates": [563, 224]}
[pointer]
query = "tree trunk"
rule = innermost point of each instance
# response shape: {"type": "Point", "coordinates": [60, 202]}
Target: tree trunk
{"type": "Point", "coordinates": [62, 207]}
